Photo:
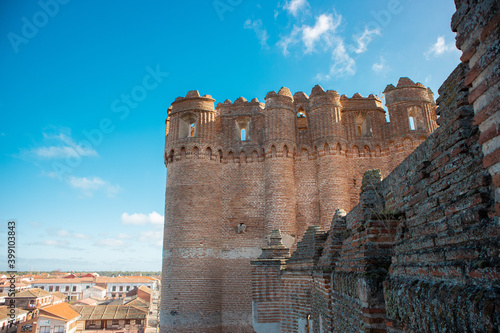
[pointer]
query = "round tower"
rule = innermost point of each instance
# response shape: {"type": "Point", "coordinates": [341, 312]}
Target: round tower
{"type": "Point", "coordinates": [191, 281]}
{"type": "Point", "coordinates": [411, 108]}
{"type": "Point", "coordinates": [280, 146]}
{"type": "Point", "coordinates": [325, 114]}
{"type": "Point", "coordinates": [412, 113]}
{"type": "Point", "coordinates": [328, 137]}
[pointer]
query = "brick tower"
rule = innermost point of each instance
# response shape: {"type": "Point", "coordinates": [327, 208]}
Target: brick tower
{"type": "Point", "coordinates": [240, 170]}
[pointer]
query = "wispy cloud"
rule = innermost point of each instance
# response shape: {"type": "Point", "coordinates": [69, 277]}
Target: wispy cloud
{"type": "Point", "coordinates": [123, 236]}
{"type": "Point", "coordinates": [141, 219]}
{"type": "Point", "coordinates": [322, 31]}
{"type": "Point", "coordinates": [440, 47]}
{"type": "Point", "coordinates": [67, 234]}
{"type": "Point", "coordinates": [61, 145]}
{"type": "Point", "coordinates": [89, 185]}
{"type": "Point", "coordinates": [58, 243]}
{"type": "Point", "coordinates": [294, 7]}
{"type": "Point", "coordinates": [343, 64]}
{"type": "Point", "coordinates": [152, 237]}
{"type": "Point", "coordinates": [81, 236]}
{"type": "Point", "coordinates": [380, 66]}
{"type": "Point", "coordinates": [63, 244]}
{"type": "Point", "coordinates": [365, 38]}
{"type": "Point", "coordinates": [259, 30]}
{"type": "Point", "coordinates": [110, 242]}
{"type": "Point", "coordinates": [323, 36]}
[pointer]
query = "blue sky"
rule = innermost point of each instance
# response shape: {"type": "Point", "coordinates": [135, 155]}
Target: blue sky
{"type": "Point", "coordinates": [85, 86]}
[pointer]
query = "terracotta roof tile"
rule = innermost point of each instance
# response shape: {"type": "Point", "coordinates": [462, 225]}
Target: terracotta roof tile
{"type": "Point", "coordinates": [61, 310]}
{"type": "Point", "coordinates": [33, 292]}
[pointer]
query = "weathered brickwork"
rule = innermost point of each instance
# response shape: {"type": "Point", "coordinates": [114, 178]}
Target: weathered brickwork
{"type": "Point", "coordinates": [240, 170]}
{"type": "Point", "coordinates": [420, 252]}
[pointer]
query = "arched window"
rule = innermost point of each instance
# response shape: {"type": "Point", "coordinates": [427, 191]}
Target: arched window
{"type": "Point", "coordinates": [243, 128]}
{"type": "Point", "coordinates": [363, 125]}
{"type": "Point", "coordinates": [301, 119]}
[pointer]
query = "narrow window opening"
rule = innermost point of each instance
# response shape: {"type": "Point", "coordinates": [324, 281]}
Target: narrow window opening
{"type": "Point", "coordinates": [301, 119]}
{"type": "Point", "coordinates": [363, 125]}
{"type": "Point", "coordinates": [192, 127]}
{"type": "Point", "coordinates": [412, 123]}
{"type": "Point", "coordinates": [243, 129]}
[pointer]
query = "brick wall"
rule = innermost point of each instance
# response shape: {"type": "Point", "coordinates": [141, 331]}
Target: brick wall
{"type": "Point", "coordinates": [225, 195]}
{"type": "Point", "coordinates": [419, 253]}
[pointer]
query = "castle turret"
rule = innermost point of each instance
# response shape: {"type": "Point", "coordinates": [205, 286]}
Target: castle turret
{"type": "Point", "coordinates": [411, 108]}
{"type": "Point", "coordinates": [192, 249]}
{"type": "Point", "coordinates": [327, 138]}
{"type": "Point", "coordinates": [191, 117]}
{"type": "Point", "coordinates": [324, 115]}
{"type": "Point", "coordinates": [412, 113]}
{"type": "Point", "coordinates": [279, 164]}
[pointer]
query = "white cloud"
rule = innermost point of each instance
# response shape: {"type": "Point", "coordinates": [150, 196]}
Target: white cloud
{"type": "Point", "coordinates": [259, 30]}
{"type": "Point", "coordinates": [342, 65]}
{"type": "Point", "coordinates": [90, 185]}
{"type": "Point", "coordinates": [440, 47]}
{"type": "Point", "coordinates": [110, 242]}
{"type": "Point", "coordinates": [141, 219]}
{"type": "Point", "coordinates": [65, 147]}
{"type": "Point", "coordinates": [294, 6]}
{"type": "Point", "coordinates": [156, 218]}
{"type": "Point", "coordinates": [57, 243]}
{"type": "Point", "coordinates": [63, 233]}
{"type": "Point", "coordinates": [365, 38]}
{"type": "Point", "coordinates": [81, 236]}
{"type": "Point", "coordinates": [380, 66]}
{"type": "Point", "coordinates": [289, 40]}
{"type": "Point", "coordinates": [67, 234]}
{"type": "Point", "coordinates": [323, 30]}
{"type": "Point", "coordinates": [153, 237]}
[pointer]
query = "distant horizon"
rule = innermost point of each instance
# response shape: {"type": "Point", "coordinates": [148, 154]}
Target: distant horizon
{"type": "Point", "coordinates": [72, 272]}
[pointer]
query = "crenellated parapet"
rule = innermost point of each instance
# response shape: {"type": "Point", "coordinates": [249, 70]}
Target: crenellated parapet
{"type": "Point", "coordinates": [301, 127]}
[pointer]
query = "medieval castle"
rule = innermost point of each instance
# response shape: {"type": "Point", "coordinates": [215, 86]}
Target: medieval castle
{"type": "Point", "coordinates": [250, 244]}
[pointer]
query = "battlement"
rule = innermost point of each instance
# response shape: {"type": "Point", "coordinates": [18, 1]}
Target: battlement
{"type": "Point", "coordinates": [407, 91]}
{"type": "Point", "coordinates": [240, 105]}
{"type": "Point", "coordinates": [356, 125]}
{"type": "Point", "coordinates": [358, 103]}
{"type": "Point", "coordinates": [192, 102]}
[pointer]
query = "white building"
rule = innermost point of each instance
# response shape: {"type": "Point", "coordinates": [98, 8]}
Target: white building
{"type": "Point", "coordinates": [116, 287]}
{"type": "Point", "coordinates": [94, 292]}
